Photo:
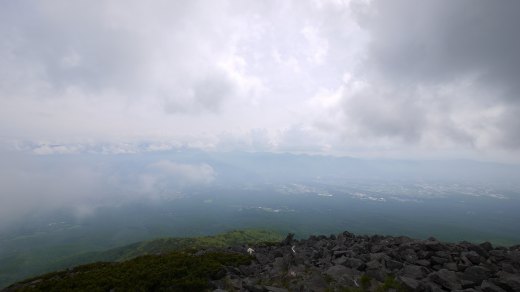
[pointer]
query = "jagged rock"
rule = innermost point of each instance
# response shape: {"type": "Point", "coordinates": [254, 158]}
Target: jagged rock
{"type": "Point", "coordinates": [476, 274]}
{"type": "Point", "coordinates": [374, 265]}
{"type": "Point", "coordinates": [514, 256]}
{"type": "Point", "coordinates": [507, 267]}
{"type": "Point", "coordinates": [236, 283]}
{"type": "Point", "coordinates": [486, 246]}
{"type": "Point", "coordinates": [340, 261]}
{"type": "Point", "coordinates": [466, 284]}
{"type": "Point", "coordinates": [393, 265]}
{"type": "Point", "coordinates": [432, 287]}
{"type": "Point", "coordinates": [278, 266]}
{"type": "Point", "coordinates": [442, 254]}
{"type": "Point", "coordinates": [438, 260]}
{"type": "Point", "coordinates": [487, 286]}
{"type": "Point", "coordinates": [479, 250]}
{"type": "Point", "coordinates": [410, 283]}
{"type": "Point", "coordinates": [252, 285]}
{"type": "Point", "coordinates": [451, 266]}
{"type": "Point", "coordinates": [315, 283]}
{"type": "Point", "coordinates": [509, 281]}
{"type": "Point", "coordinates": [424, 263]}
{"type": "Point", "coordinates": [288, 240]}
{"type": "Point", "coordinates": [463, 263]}
{"type": "Point", "coordinates": [409, 255]}
{"type": "Point", "coordinates": [275, 289]}
{"type": "Point", "coordinates": [262, 258]}
{"type": "Point", "coordinates": [355, 263]}
{"type": "Point", "coordinates": [498, 254]}
{"type": "Point", "coordinates": [472, 256]}
{"type": "Point", "coordinates": [376, 248]}
{"type": "Point", "coordinates": [434, 245]}
{"type": "Point", "coordinates": [447, 279]}
{"type": "Point", "coordinates": [341, 274]}
{"type": "Point", "coordinates": [233, 271]}
{"type": "Point", "coordinates": [377, 274]}
{"type": "Point", "coordinates": [414, 272]}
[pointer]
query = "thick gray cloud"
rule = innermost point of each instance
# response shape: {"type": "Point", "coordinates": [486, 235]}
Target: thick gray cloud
{"type": "Point", "coordinates": [342, 77]}
{"type": "Point", "coordinates": [438, 72]}
{"type": "Point", "coordinates": [439, 41]}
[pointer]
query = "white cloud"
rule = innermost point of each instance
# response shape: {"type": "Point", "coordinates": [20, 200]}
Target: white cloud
{"type": "Point", "coordinates": [185, 173]}
{"type": "Point", "coordinates": [346, 75]}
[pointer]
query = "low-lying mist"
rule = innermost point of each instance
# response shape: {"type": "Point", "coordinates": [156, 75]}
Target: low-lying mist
{"type": "Point", "coordinates": [31, 183]}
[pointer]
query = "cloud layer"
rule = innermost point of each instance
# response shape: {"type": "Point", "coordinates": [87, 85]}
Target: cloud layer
{"type": "Point", "coordinates": [368, 78]}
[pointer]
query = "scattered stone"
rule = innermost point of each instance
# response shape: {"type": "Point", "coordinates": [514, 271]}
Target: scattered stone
{"type": "Point", "coordinates": [337, 272]}
{"type": "Point", "coordinates": [275, 289]}
{"type": "Point", "coordinates": [472, 256]}
{"type": "Point", "coordinates": [451, 266]}
{"type": "Point", "coordinates": [410, 283]}
{"type": "Point", "coordinates": [414, 272]}
{"type": "Point", "coordinates": [424, 263]}
{"type": "Point", "coordinates": [288, 240]}
{"type": "Point", "coordinates": [487, 246]}
{"type": "Point", "coordinates": [475, 274]}
{"type": "Point", "coordinates": [438, 260]}
{"type": "Point", "coordinates": [447, 279]}
{"type": "Point", "coordinates": [487, 286]}
{"type": "Point", "coordinates": [373, 265]}
{"type": "Point", "coordinates": [315, 283]}
{"type": "Point", "coordinates": [509, 281]}
{"type": "Point", "coordinates": [355, 263]}
{"type": "Point", "coordinates": [393, 265]}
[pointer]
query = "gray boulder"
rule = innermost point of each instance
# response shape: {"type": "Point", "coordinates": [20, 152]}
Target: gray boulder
{"type": "Point", "coordinates": [475, 274]}
{"type": "Point", "coordinates": [447, 279]}
{"type": "Point", "coordinates": [414, 272]}
{"type": "Point", "coordinates": [409, 283]}
{"type": "Point", "coordinates": [393, 265]}
{"type": "Point", "coordinates": [509, 281]}
{"type": "Point", "coordinates": [487, 286]}
{"type": "Point", "coordinates": [275, 289]}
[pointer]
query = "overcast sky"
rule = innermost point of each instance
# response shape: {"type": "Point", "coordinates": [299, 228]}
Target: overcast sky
{"type": "Point", "coordinates": [403, 78]}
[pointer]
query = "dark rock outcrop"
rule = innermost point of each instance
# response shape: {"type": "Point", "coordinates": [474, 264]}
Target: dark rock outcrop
{"type": "Point", "coordinates": [333, 263]}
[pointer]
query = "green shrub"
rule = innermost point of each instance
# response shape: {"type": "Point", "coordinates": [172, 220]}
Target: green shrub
{"type": "Point", "coordinates": [177, 271]}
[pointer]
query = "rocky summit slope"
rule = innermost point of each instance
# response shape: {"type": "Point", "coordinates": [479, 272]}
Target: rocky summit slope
{"type": "Point", "coordinates": [347, 262]}
{"type": "Point", "coordinates": [343, 262]}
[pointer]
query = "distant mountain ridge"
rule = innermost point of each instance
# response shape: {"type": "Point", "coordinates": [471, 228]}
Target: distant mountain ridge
{"type": "Point", "coordinates": [343, 262]}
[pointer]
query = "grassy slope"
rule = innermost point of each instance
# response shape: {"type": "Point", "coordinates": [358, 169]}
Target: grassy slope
{"type": "Point", "coordinates": [162, 245]}
{"type": "Point", "coordinates": [175, 271]}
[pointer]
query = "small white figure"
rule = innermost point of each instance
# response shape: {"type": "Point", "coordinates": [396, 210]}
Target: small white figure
{"type": "Point", "coordinates": [292, 248]}
{"type": "Point", "coordinates": [250, 251]}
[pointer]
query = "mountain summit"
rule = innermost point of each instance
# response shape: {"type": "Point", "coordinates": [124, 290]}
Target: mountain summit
{"type": "Point", "coordinates": [343, 262]}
